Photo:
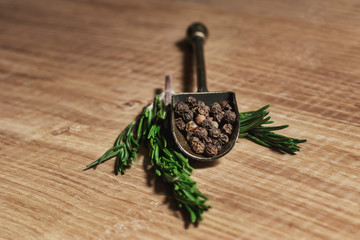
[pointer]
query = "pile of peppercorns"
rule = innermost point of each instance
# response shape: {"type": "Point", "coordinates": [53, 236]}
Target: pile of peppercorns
{"type": "Point", "coordinates": [205, 128]}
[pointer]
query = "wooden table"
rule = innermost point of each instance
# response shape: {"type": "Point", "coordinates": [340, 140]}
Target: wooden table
{"type": "Point", "coordinates": [74, 73]}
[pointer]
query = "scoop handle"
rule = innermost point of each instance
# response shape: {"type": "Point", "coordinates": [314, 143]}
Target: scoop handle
{"type": "Point", "coordinates": [197, 34]}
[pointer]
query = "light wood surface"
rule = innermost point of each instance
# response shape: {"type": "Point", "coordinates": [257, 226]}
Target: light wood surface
{"type": "Point", "coordinates": [74, 73]}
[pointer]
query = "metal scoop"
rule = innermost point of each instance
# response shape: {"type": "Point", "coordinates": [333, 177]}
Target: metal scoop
{"type": "Point", "coordinates": [197, 34]}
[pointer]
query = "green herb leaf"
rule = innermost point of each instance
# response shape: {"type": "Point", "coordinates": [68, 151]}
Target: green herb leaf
{"type": "Point", "coordinates": [151, 131]}
{"type": "Point", "coordinates": [251, 127]}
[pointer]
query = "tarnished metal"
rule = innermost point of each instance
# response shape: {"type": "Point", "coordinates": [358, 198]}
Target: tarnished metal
{"type": "Point", "coordinates": [197, 34]}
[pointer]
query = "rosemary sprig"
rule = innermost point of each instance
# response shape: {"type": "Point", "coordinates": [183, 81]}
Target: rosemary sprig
{"type": "Point", "coordinates": [150, 130]}
{"type": "Point", "coordinates": [125, 150]}
{"type": "Point", "coordinates": [172, 166]}
{"type": "Point", "coordinates": [251, 126]}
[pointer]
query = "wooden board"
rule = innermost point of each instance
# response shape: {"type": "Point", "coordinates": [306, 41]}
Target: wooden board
{"type": "Point", "coordinates": [74, 73]}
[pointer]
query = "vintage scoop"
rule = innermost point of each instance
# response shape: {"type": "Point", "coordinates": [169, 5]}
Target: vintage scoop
{"type": "Point", "coordinates": [197, 34]}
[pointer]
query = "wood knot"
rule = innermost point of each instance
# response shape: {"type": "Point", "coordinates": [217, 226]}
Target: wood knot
{"type": "Point", "coordinates": [130, 104]}
{"type": "Point", "coordinates": [60, 131]}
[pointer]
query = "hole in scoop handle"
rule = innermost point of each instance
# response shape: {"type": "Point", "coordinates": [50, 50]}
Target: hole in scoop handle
{"type": "Point", "coordinates": [197, 34]}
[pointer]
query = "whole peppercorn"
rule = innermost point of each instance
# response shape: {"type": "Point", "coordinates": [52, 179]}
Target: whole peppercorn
{"type": "Point", "coordinates": [201, 104]}
{"type": "Point", "coordinates": [223, 138]}
{"type": "Point", "coordinates": [219, 117]}
{"type": "Point", "coordinates": [225, 105]}
{"type": "Point", "coordinates": [198, 146]}
{"type": "Point", "coordinates": [180, 124]}
{"type": "Point", "coordinates": [230, 116]}
{"type": "Point", "coordinates": [191, 101]}
{"type": "Point", "coordinates": [211, 150]}
{"type": "Point", "coordinates": [203, 110]}
{"type": "Point", "coordinates": [215, 124]}
{"type": "Point", "coordinates": [207, 139]}
{"type": "Point", "coordinates": [190, 126]}
{"type": "Point", "coordinates": [215, 108]}
{"type": "Point", "coordinates": [214, 132]}
{"type": "Point", "coordinates": [199, 119]}
{"type": "Point", "coordinates": [200, 132]}
{"type": "Point", "coordinates": [227, 128]}
{"type": "Point", "coordinates": [217, 143]}
{"type": "Point", "coordinates": [188, 115]}
{"type": "Point", "coordinates": [193, 140]}
{"type": "Point", "coordinates": [181, 107]}
{"type": "Point", "coordinates": [207, 124]}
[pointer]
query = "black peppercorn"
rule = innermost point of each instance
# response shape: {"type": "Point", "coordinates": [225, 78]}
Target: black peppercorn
{"type": "Point", "coordinates": [227, 128]}
{"type": "Point", "coordinates": [217, 143]}
{"type": "Point", "coordinates": [207, 124]}
{"type": "Point", "coordinates": [200, 132]}
{"type": "Point", "coordinates": [180, 124]}
{"type": "Point", "coordinates": [201, 104]}
{"type": "Point", "coordinates": [225, 105]}
{"type": "Point", "coordinates": [203, 110]}
{"type": "Point", "coordinates": [207, 139]}
{"type": "Point", "coordinates": [211, 150]}
{"type": "Point", "coordinates": [215, 108]}
{"type": "Point", "coordinates": [230, 116]}
{"type": "Point", "coordinates": [188, 115]}
{"type": "Point", "coordinates": [193, 140]}
{"type": "Point", "coordinates": [219, 117]}
{"type": "Point", "coordinates": [214, 132]}
{"type": "Point", "coordinates": [191, 101]}
{"type": "Point", "coordinates": [223, 138]}
{"type": "Point", "coordinates": [181, 107]}
{"type": "Point", "coordinates": [197, 146]}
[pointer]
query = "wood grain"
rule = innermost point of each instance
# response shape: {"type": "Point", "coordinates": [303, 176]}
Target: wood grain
{"type": "Point", "coordinates": [74, 73]}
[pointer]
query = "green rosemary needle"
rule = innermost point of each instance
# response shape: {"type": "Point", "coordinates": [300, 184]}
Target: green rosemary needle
{"type": "Point", "coordinates": [251, 127]}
